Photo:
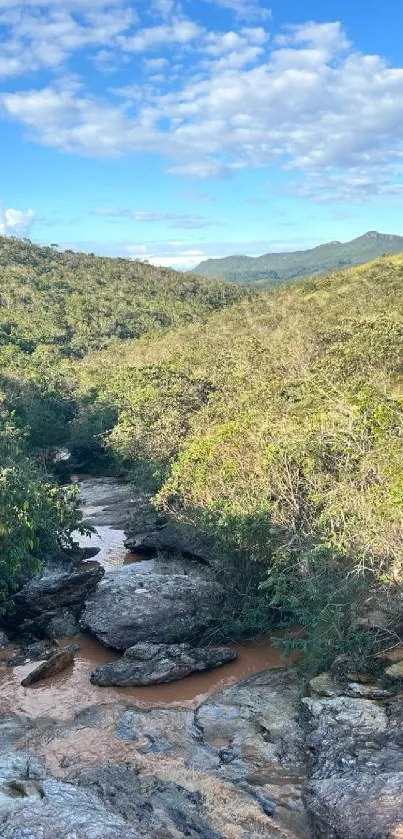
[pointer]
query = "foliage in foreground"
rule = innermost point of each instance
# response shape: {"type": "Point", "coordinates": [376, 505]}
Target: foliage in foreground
{"type": "Point", "coordinates": [36, 517]}
{"type": "Point", "coordinates": [279, 430]}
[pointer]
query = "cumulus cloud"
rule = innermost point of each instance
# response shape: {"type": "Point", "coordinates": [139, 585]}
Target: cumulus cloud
{"type": "Point", "coordinates": [305, 100]}
{"type": "Point", "coordinates": [15, 222]}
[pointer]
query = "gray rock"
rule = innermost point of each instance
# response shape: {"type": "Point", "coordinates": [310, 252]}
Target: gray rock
{"type": "Point", "coordinates": [48, 592]}
{"type": "Point", "coordinates": [356, 791]}
{"type": "Point", "coordinates": [3, 640]}
{"type": "Point", "coordinates": [62, 624]}
{"type": "Point", "coordinates": [54, 665]}
{"type": "Point", "coordinates": [152, 806]}
{"type": "Point", "coordinates": [128, 607]}
{"type": "Point", "coordinates": [37, 808]}
{"type": "Point", "coordinates": [153, 664]}
{"type": "Point", "coordinates": [51, 591]}
{"type": "Point", "coordinates": [38, 651]}
{"type": "Point", "coordinates": [173, 538]}
{"type": "Point", "coordinates": [362, 807]}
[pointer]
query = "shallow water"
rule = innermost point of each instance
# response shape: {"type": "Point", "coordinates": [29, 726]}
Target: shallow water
{"type": "Point", "coordinates": [106, 505]}
{"type": "Point", "coordinates": [69, 692]}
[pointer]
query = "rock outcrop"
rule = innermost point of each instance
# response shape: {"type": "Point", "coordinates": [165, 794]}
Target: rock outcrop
{"type": "Point", "coordinates": [45, 597]}
{"type": "Point", "coordinates": [356, 787]}
{"type": "Point", "coordinates": [128, 607]}
{"type": "Point", "coordinates": [155, 664]}
{"type": "Point", "coordinates": [35, 806]}
{"type": "Point", "coordinates": [173, 538]}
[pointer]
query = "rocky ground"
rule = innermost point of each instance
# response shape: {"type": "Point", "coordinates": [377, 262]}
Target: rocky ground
{"type": "Point", "coordinates": [267, 757]}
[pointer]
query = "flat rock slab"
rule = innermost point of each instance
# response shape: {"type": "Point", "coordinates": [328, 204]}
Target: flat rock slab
{"type": "Point", "coordinates": [128, 607]}
{"type": "Point", "coordinates": [154, 664]}
{"type": "Point", "coordinates": [55, 664]}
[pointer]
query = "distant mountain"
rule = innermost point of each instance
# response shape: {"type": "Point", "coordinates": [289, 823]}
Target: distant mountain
{"type": "Point", "coordinates": [266, 270]}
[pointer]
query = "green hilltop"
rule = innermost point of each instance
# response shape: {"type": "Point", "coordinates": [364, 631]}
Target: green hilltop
{"type": "Point", "coordinates": [75, 301]}
{"type": "Point", "coordinates": [271, 268]}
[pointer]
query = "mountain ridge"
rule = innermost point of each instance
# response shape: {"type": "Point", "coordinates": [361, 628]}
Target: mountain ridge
{"type": "Point", "coordinates": [270, 268]}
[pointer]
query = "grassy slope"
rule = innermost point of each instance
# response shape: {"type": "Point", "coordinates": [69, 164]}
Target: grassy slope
{"type": "Point", "coordinates": [270, 268]}
{"type": "Point", "coordinates": [279, 428]}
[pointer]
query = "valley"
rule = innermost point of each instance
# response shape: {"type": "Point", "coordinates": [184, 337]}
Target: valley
{"type": "Point", "coordinates": [192, 470]}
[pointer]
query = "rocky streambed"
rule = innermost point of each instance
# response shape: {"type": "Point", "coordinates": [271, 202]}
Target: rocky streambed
{"type": "Point", "coordinates": [245, 750]}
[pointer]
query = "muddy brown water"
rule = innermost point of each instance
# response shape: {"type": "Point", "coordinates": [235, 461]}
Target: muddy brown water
{"type": "Point", "coordinates": [69, 692]}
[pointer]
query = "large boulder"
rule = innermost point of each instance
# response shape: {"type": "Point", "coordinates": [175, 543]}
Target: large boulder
{"type": "Point", "coordinates": [128, 607]}
{"type": "Point", "coordinates": [173, 538]}
{"type": "Point", "coordinates": [154, 664]}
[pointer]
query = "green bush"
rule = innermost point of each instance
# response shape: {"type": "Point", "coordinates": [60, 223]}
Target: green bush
{"type": "Point", "coordinates": [36, 517]}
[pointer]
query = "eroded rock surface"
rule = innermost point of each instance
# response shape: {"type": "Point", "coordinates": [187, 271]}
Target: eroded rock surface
{"type": "Point", "coordinates": [155, 664]}
{"type": "Point", "coordinates": [356, 791]}
{"type": "Point", "coordinates": [229, 770]}
{"type": "Point", "coordinates": [35, 806]}
{"type": "Point", "coordinates": [128, 607]}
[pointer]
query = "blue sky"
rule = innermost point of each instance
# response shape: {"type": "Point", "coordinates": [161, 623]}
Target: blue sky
{"type": "Point", "coordinates": [176, 130]}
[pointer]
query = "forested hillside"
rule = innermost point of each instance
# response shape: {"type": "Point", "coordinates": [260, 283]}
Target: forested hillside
{"type": "Point", "coordinates": [272, 268]}
{"type": "Point", "coordinates": [76, 301]}
{"type": "Point", "coordinates": [278, 430]}
{"type": "Point", "coordinates": [55, 307]}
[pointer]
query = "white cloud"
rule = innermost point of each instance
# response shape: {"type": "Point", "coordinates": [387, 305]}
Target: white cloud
{"type": "Point", "coordinates": [15, 222]}
{"type": "Point", "coordinates": [44, 35]}
{"type": "Point", "coordinates": [248, 9]}
{"type": "Point", "coordinates": [178, 220]}
{"type": "Point", "coordinates": [306, 101]}
{"type": "Point", "coordinates": [180, 31]}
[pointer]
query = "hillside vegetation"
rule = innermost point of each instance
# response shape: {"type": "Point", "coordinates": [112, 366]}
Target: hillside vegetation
{"type": "Point", "coordinates": [54, 308]}
{"type": "Point", "coordinates": [273, 427]}
{"type": "Point", "coordinates": [272, 268]}
{"type": "Point", "coordinates": [278, 430]}
{"type": "Point", "coordinates": [75, 301]}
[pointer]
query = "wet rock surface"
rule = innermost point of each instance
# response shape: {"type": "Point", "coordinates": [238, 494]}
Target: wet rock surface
{"type": "Point", "coordinates": [229, 770]}
{"type": "Point", "coordinates": [153, 664]}
{"type": "Point", "coordinates": [128, 607]}
{"type": "Point", "coordinates": [56, 663]}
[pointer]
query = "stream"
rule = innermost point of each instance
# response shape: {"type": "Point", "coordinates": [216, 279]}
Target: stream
{"type": "Point", "coordinates": [204, 757]}
{"type": "Point", "coordinates": [71, 691]}
{"type": "Point", "coordinates": [238, 752]}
